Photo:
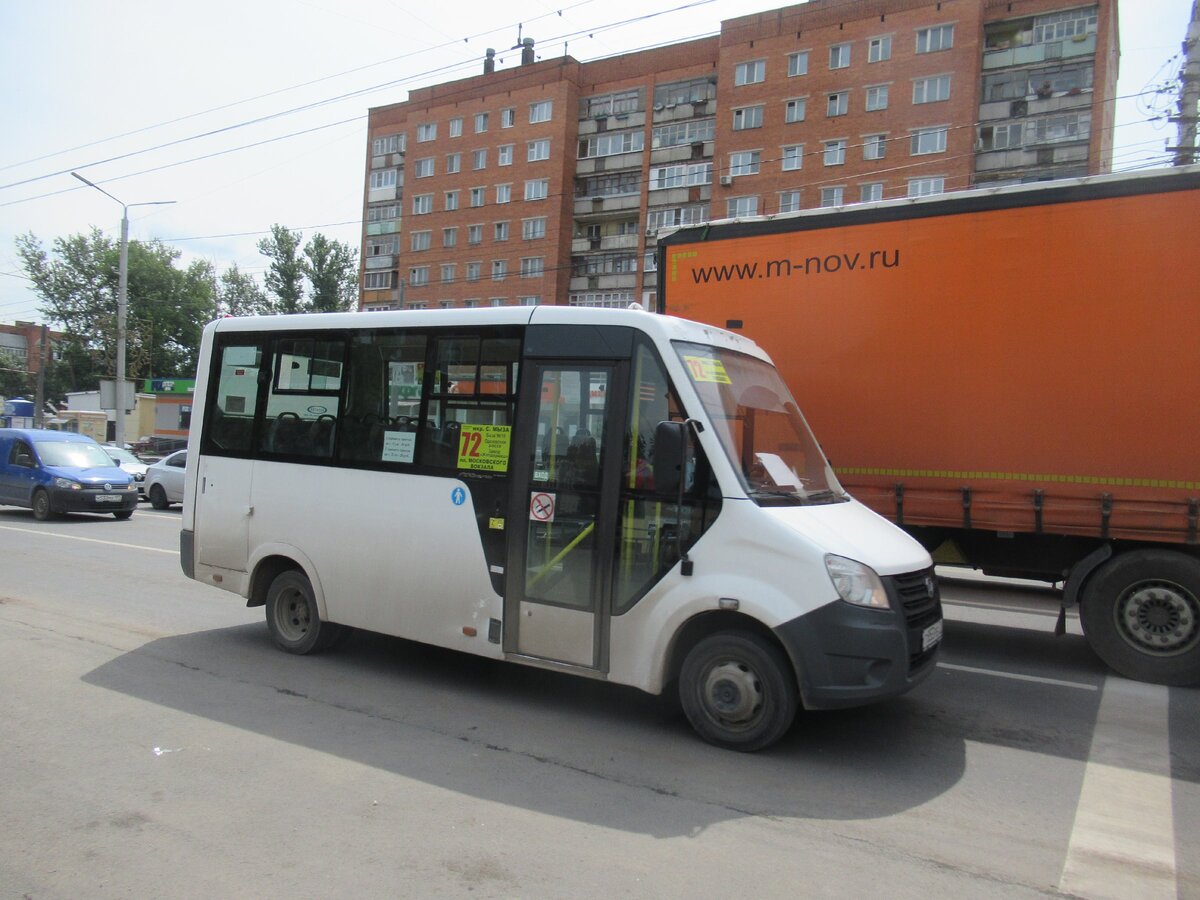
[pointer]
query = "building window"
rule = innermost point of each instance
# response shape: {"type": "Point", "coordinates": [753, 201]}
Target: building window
{"type": "Point", "coordinates": [500, 231]}
{"type": "Point", "coordinates": [477, 196]}
{"type": "Point", "coordinates": [923, 187]}
{"type": "Point", "coordinates": [423, 168]}
{"type": "Point", "coordinates": [835, 153]}
{"type": "Point", "coordinates": [421, 240]}
{"type": "Point", "coordinates": [451, 201]}
{"type": "Point", "coordinates": [745, 162]}
{"type": "Point", "coordinates": [1068, 127]}
{"type": "Point", "coordinates": [793, 110]}
{"type": "Point", "coordinates": [481, 122]}
{"type": "Point", "coordinates": [879, 49]}
{"type": "Point", "coordinates": [418, 276]}
{"type": "Point", "coordinates": [538, 150]}
{"type": "Point", "coordinates": [793, 158]}
{"type": "Point", "coordinates": [504, 193]}
{"type": "Point", "coordinates": [453, 163]}
{"type": "Point", "coordinates": [752, 72]}
{"type": "Point", "coordinates": [540, 111]}
{"type": "Point", "coordinates": [931, 90]}
{"type": "Point", "coordinates": [378, 281]}
{"type": "Point", "coordinates": [928, 140]}
{"type": "Point", "coordinates": [474, 234]}
{"type": "Point", "coordinates": [426, 132]}
{"type": "Point", "coordinates": [508, 117]}
{"type": "Point", "coordinates": [677, 215]}
{"type": "Point", "coordinates": [391, 143]}
{"type": "Point", "coordinates": [449, 237]}
{"type": "Point", "coordinates": [833, 196]}
{"type": "Point", "coordinates": [504, 155]}
{"type": "Point", "coordinates": [797, 64]}
{"type": "Point", "coordinates": [383, 246]}
{"type": "Point", "coordinates": [448, 272]}
{"type": "Point", "coordinates": [537, 189]}
{"type": "Point", "coordinates": [422, 204]}
{"type": "Point", "coordinates": [877, 97]}
{"type": "Point", "coordinates": [384, 178]}
{"type": "Point", "coordinates": [384, 212]}
{"type": "Point", "coordinates": [838, 104]}
{"type": "Point", "coordinates": [479, 159]}
{"type": "Point", "coordinates": [742, 206]}
{"type": "Point", "coordinates": [747, 117]}
{"type": "Point", "coordinates": [496, 301]}
{"type": "Point", "coordinates": [939, 37]}
{"type": "Point", "coordinates": [499, 269]}
{"type": "Point", "coordinates": [456, 127]}
{"type": "Point", "coordinates": [612, 144]}
{"type": "Point", "coordinates": [533, 266]}
{"type": "Point", "coordinates": [681, 175]}
{"type": "Point", "coordinates": [839, 56]}
{"type": "Point", "coordinates": [417, 304]}
{"type": "Point", "coordinates": [870, 193]}
{"type": "Point", "coordinates": [1063, 25]}
{"type": "Point", "coordinates": [604, 105]}
{"type": "Point", "coordinates": [473, 273]}
{"type": "Point", "coordinates": [789, 201]}
{"type": "Point", "coordinates": [533, 229]}
{"type": "Point", "coordinates": [874, 146]}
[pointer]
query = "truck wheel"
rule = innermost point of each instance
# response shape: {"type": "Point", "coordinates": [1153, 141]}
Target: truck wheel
{"type": "Point", "coordinates": [1141, 614]}
{"type": "Point", "coordinates": [41, 505]}
{"type": "Point", "coordinates": [738, 691]}
{"type": "Point", "coordinates": [292, 616]}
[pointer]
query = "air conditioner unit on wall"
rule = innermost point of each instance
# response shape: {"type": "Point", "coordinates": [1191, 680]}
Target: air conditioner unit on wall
{"type": "Point", "coordinates": [726, 180]}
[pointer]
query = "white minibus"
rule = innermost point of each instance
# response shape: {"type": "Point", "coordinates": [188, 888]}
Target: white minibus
{"type": "Point", "coordinates": [613, 493]}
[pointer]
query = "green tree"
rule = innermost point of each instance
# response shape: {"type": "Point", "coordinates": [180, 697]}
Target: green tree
{"type": "Point", "coordinates": [285, 273]}
{"type": "Point", "coordinates": [332, 270]}
{"type": "Point", "coordinates": [167, 307]}
{"type": "Point", "coordinates": [238, 294]}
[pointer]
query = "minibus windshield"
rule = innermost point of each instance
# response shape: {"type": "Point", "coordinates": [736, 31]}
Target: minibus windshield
{"type": "Point", "coordinates": [760, 427]}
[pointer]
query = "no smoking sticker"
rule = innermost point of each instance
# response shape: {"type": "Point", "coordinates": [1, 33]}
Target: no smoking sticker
{"type": "Point", "coordinates": [541, 507]}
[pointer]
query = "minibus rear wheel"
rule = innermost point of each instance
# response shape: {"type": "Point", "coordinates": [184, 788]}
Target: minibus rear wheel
{"type": "Point", "coordinates": [737, 690]}
{"type": "Point", "coordinates": [292, 616]}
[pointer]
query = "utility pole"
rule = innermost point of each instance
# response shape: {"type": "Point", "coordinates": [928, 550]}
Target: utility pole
{"type": "Point", "coordinates": [39, 395]}
{"type": "Point", "coordinates": [122, 291]}
{"type": "Point", "coordinates": [1189, 92]}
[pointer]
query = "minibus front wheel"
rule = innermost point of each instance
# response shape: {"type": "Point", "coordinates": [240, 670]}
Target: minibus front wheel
{"type": "Point", "coordinates": [737, 690]}
{"type": "Point", "coordinates": [292, 616]}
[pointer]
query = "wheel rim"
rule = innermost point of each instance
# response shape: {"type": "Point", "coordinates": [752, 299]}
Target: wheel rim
{"type": "Point", "coordinates": [732, 694]}
{"type": "Point", "coordinates": [1159, 617]}
{"type": "Point", "coordinates": [292, 615]}
{"type": "Point", "coordinates": [41, 504]}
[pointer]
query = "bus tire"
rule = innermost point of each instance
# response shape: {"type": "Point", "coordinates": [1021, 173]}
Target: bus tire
{"type": "Point", "coordinates": [41, 505]}
{"type": "Point", "coordinates": [1141, 615]}
{"type": "Point", "coordinates": [737, 691]}
{"type": "Point", "coordinates": [292, 616]}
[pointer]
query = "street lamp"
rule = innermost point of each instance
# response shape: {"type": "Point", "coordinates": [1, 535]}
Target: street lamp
{"type": "Point", "coordinates": [122, 287]}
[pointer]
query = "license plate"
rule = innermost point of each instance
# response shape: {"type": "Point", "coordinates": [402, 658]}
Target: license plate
{"type": "Point", "coordinates": [931, 635]}
{"type": "Point", "coordinates": [108, 498]}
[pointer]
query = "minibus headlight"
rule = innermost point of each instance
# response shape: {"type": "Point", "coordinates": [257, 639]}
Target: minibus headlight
{"type": "Point", "coordinates": [856, 583]}
{"type": "Point", "coordinates": [67, 484]}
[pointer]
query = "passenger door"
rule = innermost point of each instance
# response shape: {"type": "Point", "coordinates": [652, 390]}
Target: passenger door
{"type": "Point", "coordinates": [563, 511]}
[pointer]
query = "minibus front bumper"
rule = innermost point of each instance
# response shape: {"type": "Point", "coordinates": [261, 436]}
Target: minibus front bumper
{"type": "Point", "coordinates": [848, 655]}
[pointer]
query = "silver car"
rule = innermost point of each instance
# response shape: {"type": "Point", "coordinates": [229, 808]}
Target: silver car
{"type": "Point", "coordinates": [164, 480]}
{"type": "Point", "coordinates": [131, 464]}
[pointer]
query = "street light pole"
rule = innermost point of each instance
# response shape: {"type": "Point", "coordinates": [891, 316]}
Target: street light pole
{"type": "Point", "coordinates": [122, 291]}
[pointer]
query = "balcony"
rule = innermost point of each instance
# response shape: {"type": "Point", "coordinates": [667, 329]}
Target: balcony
{"type": "Point", "coordinates": [674, 112]}
{"type": "Point", "coordinates": [609, 242]}
{"type": "Point", "coordinates": [380, 262]}
{"type": "Point", "coordinates": [624, 281]}
{"type": "Point", "coordinates": [593, 164]}
{"type": "Point", "coordinates": [603, 206]}
{"type": "Point", "coordinates": [1080, 45]}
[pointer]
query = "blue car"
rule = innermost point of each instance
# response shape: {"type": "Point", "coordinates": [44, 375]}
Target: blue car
{"type": "Point", "coordinates": [55, 472]}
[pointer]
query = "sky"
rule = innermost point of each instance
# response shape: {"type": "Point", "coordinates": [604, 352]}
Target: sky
{"type": "Point", "coordinates": [254, 112]}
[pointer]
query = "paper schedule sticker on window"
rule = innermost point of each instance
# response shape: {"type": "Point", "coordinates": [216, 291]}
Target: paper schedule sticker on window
{"type": "Point", "coordinates": [398, 446]}
{"type": "Point", "coordinates": [701, 368]}
{"type": "Point", "coordinates": [484, 447]}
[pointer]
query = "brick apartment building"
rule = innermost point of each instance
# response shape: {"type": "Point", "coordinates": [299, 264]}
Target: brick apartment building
{"type": "Point", "coordinates": [545, 182]}
{"type": "Point", "coordinates": [21, 346]}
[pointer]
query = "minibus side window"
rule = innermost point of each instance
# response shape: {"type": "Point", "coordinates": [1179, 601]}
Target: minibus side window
{"type": "Point", "coordinates": [302, 405]}
{"type": "Point", "coordinates": [648, 520]}
{"type": "Point", "coordinates": [473, 385]}
{"type": "Point", "coordinates": [232, 406]}
{"type": "Point", "coordinates": [383, 397]}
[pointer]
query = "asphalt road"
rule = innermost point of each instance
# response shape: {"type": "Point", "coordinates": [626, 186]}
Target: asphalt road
{"type": "Point", "coordinates": [153, 743]}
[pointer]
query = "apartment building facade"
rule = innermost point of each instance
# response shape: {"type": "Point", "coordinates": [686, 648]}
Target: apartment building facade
{"type": "Point", "coordinates": [546, 182]}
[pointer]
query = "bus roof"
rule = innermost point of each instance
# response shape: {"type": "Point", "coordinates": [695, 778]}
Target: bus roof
{"type": "Point", "coordinates": [668, 328]}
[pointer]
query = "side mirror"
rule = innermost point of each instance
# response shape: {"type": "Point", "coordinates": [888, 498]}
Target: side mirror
{"type": "Point", "coordinates": [670, 451]}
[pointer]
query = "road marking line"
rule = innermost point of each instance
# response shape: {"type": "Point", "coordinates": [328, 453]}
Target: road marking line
{"type": "Point", "coordinates": [73, 537]}
{"type": "Point", "coordinates": [1078, 685]}
{"type": "Point", "coordinates": [1123, 840]}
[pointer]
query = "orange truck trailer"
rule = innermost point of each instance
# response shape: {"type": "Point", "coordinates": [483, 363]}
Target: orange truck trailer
{"type": "Point", "coordinates": [1011, 375]}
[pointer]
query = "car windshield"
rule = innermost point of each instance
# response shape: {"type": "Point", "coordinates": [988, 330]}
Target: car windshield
{"type": "Point", "coordinates": [78, 454]}
{"type": "Point", "coordinates": [122, 456]}
{"type": "Point", "coordinates": [760, 427]}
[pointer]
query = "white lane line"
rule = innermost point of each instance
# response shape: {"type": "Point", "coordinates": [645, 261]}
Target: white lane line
{"type": "Point", "coordinates": [1123, 841]}
{"type": "Point", "coordinates": [1016, 676]}
{"type": "Point", "coordinates": [73, 537]}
